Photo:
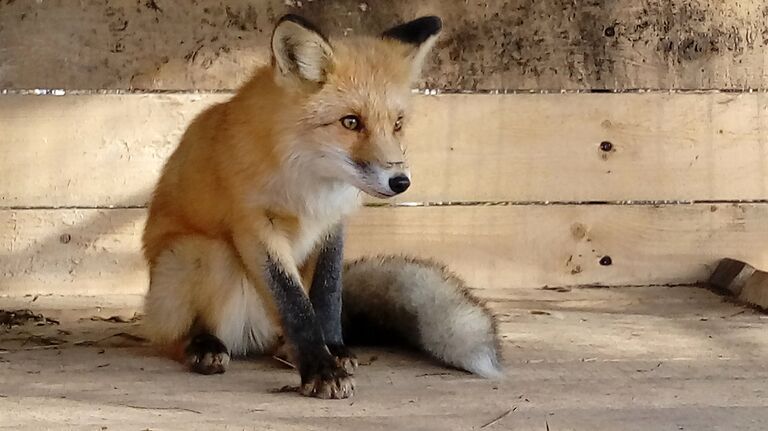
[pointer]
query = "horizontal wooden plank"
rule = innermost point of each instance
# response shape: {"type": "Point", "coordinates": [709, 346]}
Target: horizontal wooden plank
{"type": "Point", "coordinates": [103, 150]}
{"type": "Point", "coordinates": [214, 44]}
{"type": "Point", "coordinates": [496, 247]}
{"type": "Point", "coordinates": [89, 150]}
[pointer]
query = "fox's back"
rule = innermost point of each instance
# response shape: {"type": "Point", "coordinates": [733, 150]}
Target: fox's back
{"type": "Point", "coordinates": [187, 197]}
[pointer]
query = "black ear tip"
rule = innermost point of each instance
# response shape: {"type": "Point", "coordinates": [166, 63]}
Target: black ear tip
{"type": "Point", "coordinates": [417, 31]}
{"type": "Point", "coordinates": [292, 18]}
{"type": "Point", "coordinates": [432, 22]}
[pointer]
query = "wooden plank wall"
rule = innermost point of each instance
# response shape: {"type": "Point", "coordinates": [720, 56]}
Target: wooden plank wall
{"type": "Point", "coordinates": [488, 45]}
{"type": "Point", "coordinates": [515, 183]}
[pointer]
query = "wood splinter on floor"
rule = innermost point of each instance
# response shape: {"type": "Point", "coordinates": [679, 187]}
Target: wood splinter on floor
{"type": "Point", "coordinates": [499, 418]}
{"type": "Point", "coordinates": [284, 362]}
{"type": "Point", "coordinates": [178, 409]}
{"type": "Point", "coordinates": [284, 389]}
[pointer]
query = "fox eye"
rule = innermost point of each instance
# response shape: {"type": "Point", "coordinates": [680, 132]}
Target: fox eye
{"type": "Point", "coordinates": [398, 124]}
{"type": "Point", "coordinates": [352, 122]}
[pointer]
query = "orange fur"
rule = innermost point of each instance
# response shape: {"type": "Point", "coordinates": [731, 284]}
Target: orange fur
{"type": "Point", "coordinates": [259, 181]}
{"type": "Point", "coordinates": [233, 148]}
{"type": "Point", "coordinates": [237, 178]}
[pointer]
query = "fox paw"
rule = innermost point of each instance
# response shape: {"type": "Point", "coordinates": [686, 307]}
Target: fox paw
{"type": "Point", "coordinates": [326, 379]}
{"type": "Point", "coordinates": [344, 357]}
{"type": "Point", "coordinates": [206, 354]}
{"type": "Point", "coordinates": [338, 386]}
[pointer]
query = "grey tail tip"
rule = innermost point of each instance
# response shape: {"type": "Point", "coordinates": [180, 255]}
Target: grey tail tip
{"type": "Point", "coordinates": [484, 362]}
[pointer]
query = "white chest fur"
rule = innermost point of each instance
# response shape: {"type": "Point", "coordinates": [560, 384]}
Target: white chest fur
{"type": "Point", "coordinates": [303, 188]}
{"type": "Point", "coordinates": [320, 213]}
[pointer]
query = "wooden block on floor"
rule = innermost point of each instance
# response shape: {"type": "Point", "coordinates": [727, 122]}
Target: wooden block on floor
{"type": "Point", "coordinates": [731, 275]}
{"type": "Point", "coordinates": [755, 291]}
{"type": "Point", "coordinates": [742, 280]}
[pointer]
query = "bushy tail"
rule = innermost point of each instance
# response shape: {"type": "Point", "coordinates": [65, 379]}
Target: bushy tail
{"type": "Point", "coordinates": [394, 299]}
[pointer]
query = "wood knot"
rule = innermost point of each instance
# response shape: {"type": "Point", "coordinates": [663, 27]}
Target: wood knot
{"type": "Point", "coordinates": [578, 231]}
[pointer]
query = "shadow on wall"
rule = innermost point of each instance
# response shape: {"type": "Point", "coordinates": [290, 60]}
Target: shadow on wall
{"type": "Point", "coordinates": [89, 150]}
{"type": "Point", "coordinates": [73, 252]}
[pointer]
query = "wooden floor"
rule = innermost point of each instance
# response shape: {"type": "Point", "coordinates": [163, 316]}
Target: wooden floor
{"type": "Point", "coordinates": [636, 358]}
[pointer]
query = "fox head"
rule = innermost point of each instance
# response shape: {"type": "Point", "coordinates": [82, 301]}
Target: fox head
{"type": "Point", "coordinates": [349, 99]}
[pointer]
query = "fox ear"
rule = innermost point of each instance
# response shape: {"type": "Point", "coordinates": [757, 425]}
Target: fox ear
{"type": "Point", "coordinates": [300, 51]}
{"type": "Point", "coordinates": [420, 34]}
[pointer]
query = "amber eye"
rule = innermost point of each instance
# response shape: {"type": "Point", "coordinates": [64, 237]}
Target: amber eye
{"type": "Point", "coordinates": [398, 124]}
{"type": "Point", "coordinates": [352, 122]}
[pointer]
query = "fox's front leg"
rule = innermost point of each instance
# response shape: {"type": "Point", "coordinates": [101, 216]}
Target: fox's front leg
{"type": "Point", "coordinates": [321, 375]}
{"type": "Point", "coordinates": [325, 295]}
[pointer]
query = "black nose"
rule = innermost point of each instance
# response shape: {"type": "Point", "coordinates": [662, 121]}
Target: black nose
{"type": "Point", "coordinates": [399, 183]}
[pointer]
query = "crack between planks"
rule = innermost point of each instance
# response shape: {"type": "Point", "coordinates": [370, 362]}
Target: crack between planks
{"type": "Point", "coordinates": [568, 202]}
{"type": "Point", "coordinates": [71, 207]}
{"type": "Point", "coordinates": [443, 204]}
{"type": "Point", "coordinates": [424, 91]}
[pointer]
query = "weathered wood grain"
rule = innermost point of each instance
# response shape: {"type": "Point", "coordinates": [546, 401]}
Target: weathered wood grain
{"type": "Point", "coordinates": [497, 247]}
{"type": "Point", "coordinates": [107, 150]}
{"type": "Point", "coordinates": [89, 150]}
{"type": "Point", "coordinates": [504, 44]}
{"type": "Point", "coordinates": [652, 358]}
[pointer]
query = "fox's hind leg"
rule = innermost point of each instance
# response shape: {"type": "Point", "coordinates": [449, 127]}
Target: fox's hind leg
{"type": "Point", "coordinates": [200, 299]}
{"type": "Point", "coordinates": [206, 353]}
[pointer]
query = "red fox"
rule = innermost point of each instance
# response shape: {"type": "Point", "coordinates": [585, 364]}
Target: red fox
{"type": "Point", "coordinates": [244, 238]}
